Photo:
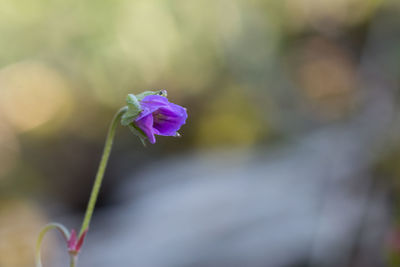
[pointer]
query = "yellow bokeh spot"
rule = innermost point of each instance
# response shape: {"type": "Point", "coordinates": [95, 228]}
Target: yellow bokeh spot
{"type": "Point", "coordinates": [147, 34]}
{"type": "Point", "coordinates": [20, 223]}
{"type": "Point", "coordinates": [230, 120]}
{"type": "Point", "coordinates": [32, 94]}
{"type": "Point", "coordinates": [9, 148]}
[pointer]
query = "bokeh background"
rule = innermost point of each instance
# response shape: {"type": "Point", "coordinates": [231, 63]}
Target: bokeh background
{"type": "Point", "coordinates": [290, 156]}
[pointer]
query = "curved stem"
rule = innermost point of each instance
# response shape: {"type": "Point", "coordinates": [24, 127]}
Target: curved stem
{"type": "Point", "coordinates": [101, 170]}
{"type": "Point", "coordinates": [42, 233]}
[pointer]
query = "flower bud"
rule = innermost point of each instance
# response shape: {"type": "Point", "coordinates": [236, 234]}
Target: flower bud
{"type": "Point", "coordinates": [150, 113]}
{"type": "Point", "coordinates": [74, 243]}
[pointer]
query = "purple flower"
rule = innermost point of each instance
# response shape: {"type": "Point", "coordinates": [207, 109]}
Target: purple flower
{"type": "Point", "coordinates": [160, 117]}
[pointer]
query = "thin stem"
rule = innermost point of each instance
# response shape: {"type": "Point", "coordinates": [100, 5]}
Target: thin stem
{"type": "Point", "coordinates": [101, 170]}
{"type": "Point", "coordinates": [73, 261]}
{"type": "Point", "coordinates": [42, 233]}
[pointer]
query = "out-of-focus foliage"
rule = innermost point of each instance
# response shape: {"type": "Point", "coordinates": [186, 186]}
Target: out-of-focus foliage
{"type": "Point", "coordinates": [251, 73]}
{"type": "Point", "coordinates": [19, 224]}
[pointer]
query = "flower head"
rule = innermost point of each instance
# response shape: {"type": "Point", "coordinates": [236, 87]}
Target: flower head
{"type": "Point", "coordinates": [160, 117]}
{"type": "Point", "coordinates": [150, 113]}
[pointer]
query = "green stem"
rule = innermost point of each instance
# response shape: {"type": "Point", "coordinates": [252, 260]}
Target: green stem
{"type": "Point", "coordinates": [42, 233]}
{"type": "Point", "coordinates": [73, 261]}
{"type": "Point", "coordinates": [101, 170]}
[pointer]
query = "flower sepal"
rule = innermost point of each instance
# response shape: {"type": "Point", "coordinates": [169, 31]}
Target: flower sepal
{"type": "Point", "coordinates": [134, 107]}
{"type": "Point", "coordinates": [133, 111]}
{"type": "Point", "coordinates": [74, 243]}
{"type": "Point", "coordinates": [138, 132]}
{"type": "Point", "coordinates": [147, 93]}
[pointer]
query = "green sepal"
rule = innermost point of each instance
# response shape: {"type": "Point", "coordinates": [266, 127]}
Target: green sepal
{"type": "Point", "coordinates": [134, 107]}
{"type": "Point", "coordinates": [146, 93]}
{"type": "Point", "coordinates": [138, 132]}
{"type": "Point", "coordinates": [133, 111]}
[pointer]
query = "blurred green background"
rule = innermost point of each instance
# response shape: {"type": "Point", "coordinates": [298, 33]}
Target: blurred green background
{"type": "Point", "coordinates": [252, 74]}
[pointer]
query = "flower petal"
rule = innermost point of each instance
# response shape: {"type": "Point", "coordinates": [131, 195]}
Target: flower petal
{"type": "Point", "coordinates": [160, 117]}
{"type": "Point", "coordinates": [151, 103]}
{"type": "Point", "coordinates": [146, 125]}
{"type": "Point", "coordinates": [168, 120]}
